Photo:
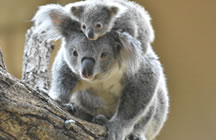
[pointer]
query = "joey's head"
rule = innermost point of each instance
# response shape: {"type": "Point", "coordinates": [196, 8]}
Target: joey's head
{"type": "Point", "coordinates": [91, 60]}
{"type": "Point", "coordinates": [96, 19]}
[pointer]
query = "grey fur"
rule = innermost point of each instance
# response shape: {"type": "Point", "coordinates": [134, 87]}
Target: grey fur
{"type": "Point", "coordinates": [113, 15]}
{"type": "Point", "coordinates": [125, 87]}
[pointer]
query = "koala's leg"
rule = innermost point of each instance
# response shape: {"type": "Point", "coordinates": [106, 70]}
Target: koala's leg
{"type": "Point", "coordinates": [134, 103]}
{"type": "Point", "coordinates": [88, 106]}
{"type": "Point", "coordinates": [139, 131]}
{"type": "Point", "coordinates": [140, 89]}
{"type": "Point", "coordinates": [63, 80]}
{"type": "Point", "coordinates": [150, 125]}
{"type": "Point", "coordinates": [160, 115]}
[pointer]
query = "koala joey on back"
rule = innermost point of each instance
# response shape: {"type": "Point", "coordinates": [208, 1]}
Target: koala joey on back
{"type": "Point", "coordinates": [98, 17]}
{"type": "Point", "coordinates": [109, 78]}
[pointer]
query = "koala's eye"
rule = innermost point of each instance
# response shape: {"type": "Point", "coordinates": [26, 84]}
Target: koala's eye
{"type": "Point", "coordinates": [75, 53]}
{"type": "Point", "coordinates": [99, 25]}
{"type": "Point", "coordinates": [103, 56]}
{"type": "Point", "coordinates": [84, 26]}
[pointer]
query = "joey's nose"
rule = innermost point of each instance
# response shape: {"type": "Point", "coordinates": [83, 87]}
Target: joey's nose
{"type": "Point", "coordinates": [90, 34]}
{"type": "Point", "coordinates": [87, 65]}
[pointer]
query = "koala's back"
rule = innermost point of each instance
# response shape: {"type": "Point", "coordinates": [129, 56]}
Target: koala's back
{"type": "Point", "coordinates": [135, 21]}
{"type": "Point", "coordinates": [158, 108]}
{"type": "Point", "coordinates": [159, 116]}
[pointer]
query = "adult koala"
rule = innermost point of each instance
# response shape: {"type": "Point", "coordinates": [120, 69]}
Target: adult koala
{"type": "Point", "coordinates": [108, 78]}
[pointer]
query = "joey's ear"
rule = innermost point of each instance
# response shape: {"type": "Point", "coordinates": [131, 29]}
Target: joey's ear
{"type": "Point", "coordinates": [52, 19]}
{"type": "Point", "coordinates": [77, 11]}
{"type": "Point", "coordinates": [117, 10]}
{"type": "Point", "coordinates": [131, 52]}
{"type": "Point", "coordinates": [114, 10]}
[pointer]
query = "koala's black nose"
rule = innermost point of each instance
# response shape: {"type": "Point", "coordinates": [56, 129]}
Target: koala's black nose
{"type": "Point", "coordinates": [90, 34]}
{"type": "Point", "coordinates": [87, 65]}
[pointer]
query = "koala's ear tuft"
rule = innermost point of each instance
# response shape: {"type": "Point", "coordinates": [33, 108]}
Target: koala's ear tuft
{"type": "Point", "coordinates": [56, 17]}
{"type": "Point", "coordinates": [77, 11]}
{"type": "Point", "coordinates": [131, 52]}
{"type": "Point", "coordinates": [54, 20]}
{"type": "Point", "coordinates": [114, 10]}
{"type": "Point", "coordinates": [48, 18]}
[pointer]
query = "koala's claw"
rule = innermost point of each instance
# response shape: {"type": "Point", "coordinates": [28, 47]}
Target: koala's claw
{"type": "Point", "coordinates": [100, 119]}
{"type": "Point", "coordinates": [115, 131]}
{"type": "Point", "coordinates": [119, 32]}
{"type": "Point", "coordinates": [114, 135]}
{"type": "Point", "coordinates": [133, 137]}
{"type": "Point", "coordinates": [69, 107]}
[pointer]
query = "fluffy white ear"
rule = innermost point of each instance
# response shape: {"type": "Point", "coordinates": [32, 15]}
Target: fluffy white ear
{"type": "Point", "coordinates": [49, 19]}
{"type": "Point", "coordinates": [116, 9]}
{"type": "Point", "coordinates": [76, 9]}
{"type": "Point", "coordinates": [131, 52]}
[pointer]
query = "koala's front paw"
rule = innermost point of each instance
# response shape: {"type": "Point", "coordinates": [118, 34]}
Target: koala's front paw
{"type": "Point", "coordinates": [115, 132]}
{"type": "Point", "coordinates": [134, 137]}
{"type": "Point", "coordinates": [100, 119]}
{"type": "Point", "coordinates": [70, 108]}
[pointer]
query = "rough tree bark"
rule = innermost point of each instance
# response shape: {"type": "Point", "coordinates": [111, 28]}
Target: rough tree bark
{"type": "Point", "coordinates": [2, 65]}
{"type": "Point", "coordinates": [28, 114]}
{"type": "Point", "coordinates": [36, 60]}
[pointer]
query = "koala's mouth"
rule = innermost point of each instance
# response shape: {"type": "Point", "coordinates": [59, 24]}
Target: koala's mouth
{"type": "Point", "coordinates": [92, 36]}
{"type": "Point", "coordinates": [87, 69]}
{"type": "Point", "coordinates": [88, 78]}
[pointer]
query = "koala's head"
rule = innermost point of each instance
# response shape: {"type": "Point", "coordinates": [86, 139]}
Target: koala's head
{"type": "Point", "coordinates": [96, 18]}
{"type": "Point", "coordinates": [89, 59]}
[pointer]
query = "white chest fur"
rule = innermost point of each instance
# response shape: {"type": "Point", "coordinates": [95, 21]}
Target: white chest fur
{"type": "Point", "coordinates": [107, 90]}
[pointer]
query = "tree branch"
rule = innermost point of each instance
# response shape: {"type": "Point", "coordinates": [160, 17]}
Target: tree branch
{"type": "Point", "coordinates": [2, 65]}
{"type": "Point", "coordinates": [26, 113]}
{"type": "Point", "coordinates": [36, 60]}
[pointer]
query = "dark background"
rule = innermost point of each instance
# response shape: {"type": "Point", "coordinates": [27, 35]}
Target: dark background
{"type": "Point", "coordinates": [185, 41]}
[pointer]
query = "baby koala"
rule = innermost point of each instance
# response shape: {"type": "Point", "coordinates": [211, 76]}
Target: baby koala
{"type": "Point", "coordinates": [98, 17]}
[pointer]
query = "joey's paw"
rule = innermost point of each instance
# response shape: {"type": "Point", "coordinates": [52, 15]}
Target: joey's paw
{"type": "Point", "coordinates": [125, 38]}
{"type": "Point", "coordinates": [129, 41]}
{"type": "Point", "coordinates": [119, 32]}
{"type": "Point", "coordinates": [123, 35]}
{"type": "Point", "coordinates": [100, 119]}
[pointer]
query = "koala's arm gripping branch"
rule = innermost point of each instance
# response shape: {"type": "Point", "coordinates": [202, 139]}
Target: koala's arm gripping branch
{"type": "Point", "coordinates": [63, 80]}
